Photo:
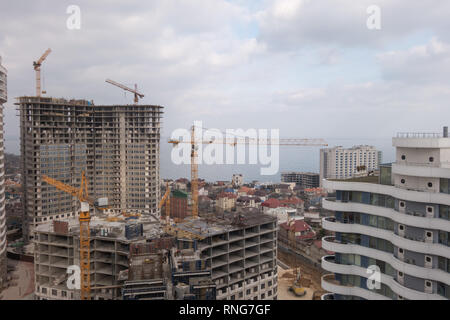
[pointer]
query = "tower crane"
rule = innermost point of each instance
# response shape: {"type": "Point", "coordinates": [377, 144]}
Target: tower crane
{"type": "Point", "coordinates": [84, 218]}
{"type": "Point", "coordinates": [137, 94]}
{"type": "Point", "coordinates": [234, 141]}
{"type": "Point", "coordinates": [37, 68]}
{"type": "Point", "coordinates": [166, 199]}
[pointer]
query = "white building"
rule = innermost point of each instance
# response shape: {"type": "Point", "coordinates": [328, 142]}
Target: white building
{"type": "Point", "coordinates": [237, 180]}
{"type": "Point", "coordinates": [282, 214]}
{"type": "Point", "coordinates": [399, 223]}
{"type": "Point", "coordinates": [344, 163]}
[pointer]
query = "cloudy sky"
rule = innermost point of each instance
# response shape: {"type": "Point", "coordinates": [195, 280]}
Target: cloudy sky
{"type": "Point", "coordinates": [311, 68]}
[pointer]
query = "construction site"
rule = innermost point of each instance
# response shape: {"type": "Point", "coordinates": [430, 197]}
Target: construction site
{"type": "Point", "coordinates": [92, 202]}
{"type": "Point", "coordinates": [215, 257]}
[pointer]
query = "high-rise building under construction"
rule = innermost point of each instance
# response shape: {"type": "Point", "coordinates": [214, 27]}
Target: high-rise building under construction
{"type": "Point", "coordinates": [116, 145]}
{"type": "Point", "coordinates": [3, 98]}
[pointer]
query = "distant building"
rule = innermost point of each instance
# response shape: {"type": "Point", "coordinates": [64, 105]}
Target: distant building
{"type": "Point", "coordinates": [226, 201]}
{"type": "Point", "coordinates": [238, 180]}
{"type": "Point", "coordinates": [345, 163]}
{"type": "Point", "coordinates": [3, 98]}
{"type": "Point", "coordinates": [303, 179]}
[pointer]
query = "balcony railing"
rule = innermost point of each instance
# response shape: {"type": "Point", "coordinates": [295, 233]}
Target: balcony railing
{"type": "Point", "coordinates": [418, 135]}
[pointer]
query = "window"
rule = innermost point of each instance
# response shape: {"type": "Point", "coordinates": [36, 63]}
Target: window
{"type": "Point", "coordinates": [54, 292]}
{"type": "Point", "coordinates": [403, 157]}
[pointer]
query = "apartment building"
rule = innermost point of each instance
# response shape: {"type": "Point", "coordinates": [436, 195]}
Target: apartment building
{"type": "Point", "coordinates": [344, 163]}
{"type": "Point", "coordinates": [398, 223]}
{"type": "Point", "coordinates": [117, 146]}
{"type": "Point", "coordinates": [237, 180]}
{"type": "Point", "coordinates": [3, 99]}
{"type": "Point", "coordinates": [302, 179]}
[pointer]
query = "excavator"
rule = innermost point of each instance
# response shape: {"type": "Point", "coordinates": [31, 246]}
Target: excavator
{"type": "Point", "coordinates": [296, 287]}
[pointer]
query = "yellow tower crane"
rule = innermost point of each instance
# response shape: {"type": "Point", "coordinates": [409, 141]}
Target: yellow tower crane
{"type": "Point", "coordinates": [84, 218]}
{"type": "Point", "coordinates": [234, 141]}
{"type": "Point", "coordinates": [166, 199]}
{"type": "Point", "coordinates": [37, 68]}
{"type": "Point", "coordinates": [137, 94]}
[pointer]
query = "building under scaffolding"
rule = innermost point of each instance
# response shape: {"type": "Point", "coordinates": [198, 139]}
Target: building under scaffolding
{"type": "Point", "coordinates": [117, 146]}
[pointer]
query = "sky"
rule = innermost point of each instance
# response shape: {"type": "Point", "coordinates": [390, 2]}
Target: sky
{"type": "Point", "coordinates": [310, 68]}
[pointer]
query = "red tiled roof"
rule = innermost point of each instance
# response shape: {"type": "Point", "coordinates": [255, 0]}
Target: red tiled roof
{"type": "Point", "coordinates": [271, 203]}
{"type": "Point", "coordinates": [227, 195]}
{"type": "Point", "coordinates": [297, 225]}
{"type": "Point", "coordinates": [293, 200]}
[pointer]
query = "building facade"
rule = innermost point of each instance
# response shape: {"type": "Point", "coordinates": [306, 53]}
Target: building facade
{"type": "Point", "coordinates": [397, 224]}
{"type": "Point", "coordinates": [344, 163]}
{"type": "Point", "coordinates": [179, 204]}
{"type": "Point", "coordinates": [303, 179]}
{"type": "Point", "coordinates": [117, 146]}
{"type": "Point", "coordinates": [3, 99]}
{"type": "Point", "coordinates": [237, 180]}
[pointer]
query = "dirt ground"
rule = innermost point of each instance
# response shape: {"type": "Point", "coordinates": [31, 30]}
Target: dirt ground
{"type": "Point", "coordinates": [22, 284]}
{"type": "Point", "coordinates": [308, 272]}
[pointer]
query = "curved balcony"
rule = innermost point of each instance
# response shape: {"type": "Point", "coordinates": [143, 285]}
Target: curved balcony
{"type": "Point", "coordinates": [411, 245]}
{"type": "Point", "coordinates": [439, 170]}
{"type": "Point", "coordinates": [402, 218]}
{"type": "Point", "coordinates": [407, 195]}
{"type": "Point", "coordinates": [327, 296]}
{"type": "Point", "coordinates": [329, 265]}
{"type": "Point", "coordinates": [329, 283]}
{"type": "Point", "coordinates": [329, 243]}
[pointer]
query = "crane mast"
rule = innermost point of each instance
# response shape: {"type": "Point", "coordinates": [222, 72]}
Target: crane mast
{"type": "Point", "coordinates": [37, 68]}
{"type": "Point", "coordinates": [84, 219]}
{"type": "Point", "coordinates": [194, 175]}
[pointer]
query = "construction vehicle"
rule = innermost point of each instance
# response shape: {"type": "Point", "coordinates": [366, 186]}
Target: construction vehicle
{"type": "Point", "coordinates": [235, 141]}
{"type": "Point", "coordinates": [37, 68]}
{"type": "Point", "coordinates": [137, 94]}
{"type": "Point", "coordinates": [166, 200]}
{"type": "Point", "coordinates": [296, 286]}
{"type": "Point", "coordinates": [84, 218]}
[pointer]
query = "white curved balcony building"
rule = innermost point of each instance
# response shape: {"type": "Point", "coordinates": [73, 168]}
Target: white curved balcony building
{"type": "Point", "coordinates": [398, 222]}
{"type": "Point", "coordinates": [3, 98]}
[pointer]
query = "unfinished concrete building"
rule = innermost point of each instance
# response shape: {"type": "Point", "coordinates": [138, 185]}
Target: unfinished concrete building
{"type": "Point", "coordinates": [57, 248]}
{"type": "Point", "coordinates": [217, 257]}
{"type": "Point", "coordinates": [117, 146]}
{"type": "Point", "coordinates": [3, 98]}
{"type": "Point", "coordinates": [240, 251]}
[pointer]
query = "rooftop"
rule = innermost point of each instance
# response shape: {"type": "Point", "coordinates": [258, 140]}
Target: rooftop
{"type": "Point", "coordinates": [367, 179]}
{"type": "Point", "coordinates": [220, 223]}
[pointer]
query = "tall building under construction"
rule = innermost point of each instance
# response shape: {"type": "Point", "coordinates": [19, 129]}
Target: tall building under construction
{"type": "Point", "coordinates": [3, 98]}
{"type": "Point", "coordinates": [117, 146]}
